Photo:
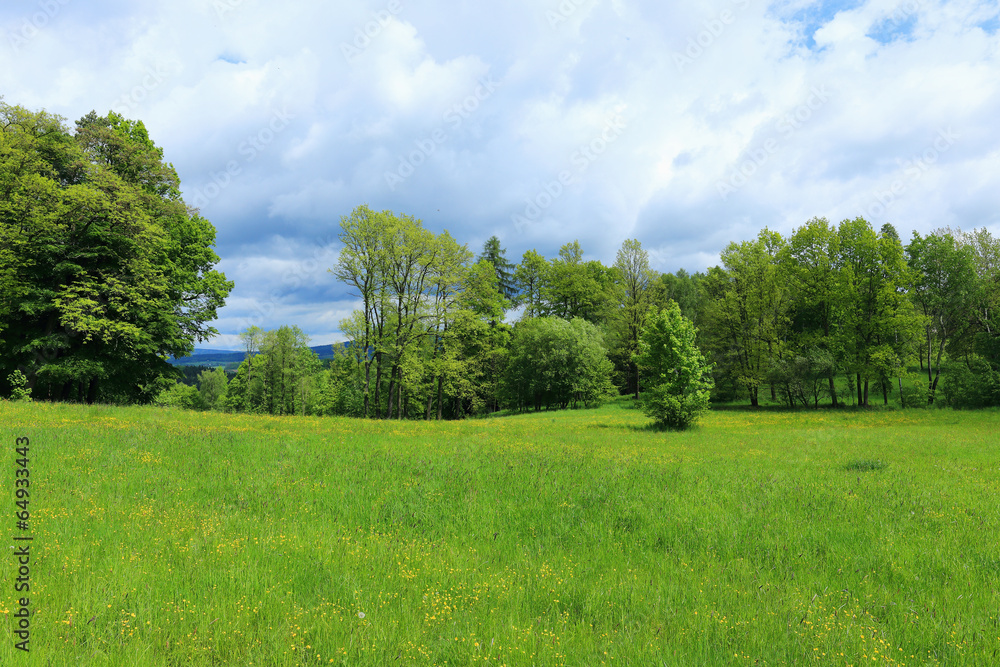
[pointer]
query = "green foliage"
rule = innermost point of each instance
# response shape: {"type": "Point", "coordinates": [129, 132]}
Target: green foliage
{"type": "Point", "coordinates": [678, 379]}
{"type": "Point", "coordinates": [497, 257]}
{"type": "Point", "coordinates": [556, 364]}
{"type": "Point", "coordinates": [944, 289]}
{"type": "Point", "coordinates": [105, 272]}
{"type": "Point", "coordinates": [18, 387]}
{"type": "Point", "coordinates": [180, 395]}
{"type": "Point", "coordinates": [575, 288]}
{"type": "Point", "coordinates": [530, 278]}
{"type": "Point", "coordinates": [801, 378]}
{"type": "Point", "coordinates": [747, 310]}
{"type": "Point", "coordinates": [212, 386]}
{"type": "Point", "coordinates": [972, 384]}
{"type": "Point", "coordinates": [632, 294]}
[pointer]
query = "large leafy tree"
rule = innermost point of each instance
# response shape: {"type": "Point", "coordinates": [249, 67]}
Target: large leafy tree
{"type": "Point", "coordinates": [631, 299]}
{"type": "Point", "coordinates": [810, 257]}
{"type": "Point", "coordinates": [106, 271]}
{"type": "Point", "coordinates": [944, 289]}
{"type": "Point", "coordinates": [530, 278]}
{"type": "Point", "coordinates": [576, 288]}
{"type": "Point", "coordinates": [877, 319]}
{"type": "Point", "coordinates": [554, 363]}
{"type": "Point", "coordinates": [747, 312]}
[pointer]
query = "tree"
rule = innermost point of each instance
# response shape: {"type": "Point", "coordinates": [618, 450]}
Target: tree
{"type": "Point", "coordinates": [871, 282]}
{"type": "Point", "coordinates": [631, 302]}
{"type": "Point", "coordinates": [360, 264]}
{"type": "Point", "coordinates": [679, 382]}
{"type": "Point", "coordinates": [944, 290]}
{"type": "Point", "coordinates": [576, 288]}
{"type": "Point", "coordinates": [555, 364]}
{"type": "Point", "coordinates": [497, 257]}
{"type": "Point", "coordinates": [809, 258]}
{"type": "Point", "coordinates": [685, 289]}
{"type": "Point", "coordinates": [530, 278]}
{"type": "Point", "coordinates": [109, 272]}
{"type": "Point", "coordinates": [747, 312]}
{"type": "Point", "coordinates": [212, 388]}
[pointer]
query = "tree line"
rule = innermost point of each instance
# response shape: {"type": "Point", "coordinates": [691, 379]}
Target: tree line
{"type": "Point", "coordinates": [105, 273]}
{"type": "Point", "coordinates": [831, 315]}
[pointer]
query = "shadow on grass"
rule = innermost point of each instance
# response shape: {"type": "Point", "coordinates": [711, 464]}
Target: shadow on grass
{"type": "Point", "coordinates": [735, 407]}
{"type": "Point", "coordinates": [866, 465]}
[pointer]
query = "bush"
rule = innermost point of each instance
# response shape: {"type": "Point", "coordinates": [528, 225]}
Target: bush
{"type": "Point", "coordinates": [976, 385]}
{"type": "Point", "coordinates": [677, 376]}
{"type": "Point", "coordinates": [17, 383]}
{"type": "Point", "coordinates": [180, 396]}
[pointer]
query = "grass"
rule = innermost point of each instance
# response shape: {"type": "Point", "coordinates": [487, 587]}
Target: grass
{"type": "Point", "coordinates": [578, 538]}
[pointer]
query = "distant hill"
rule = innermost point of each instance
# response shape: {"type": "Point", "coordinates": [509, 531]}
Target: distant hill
{"type": "Point", "coordinates": [208, 357]}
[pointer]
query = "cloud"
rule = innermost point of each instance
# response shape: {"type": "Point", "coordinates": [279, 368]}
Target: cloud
{"type": "Point", "coordinates": [494, 120]}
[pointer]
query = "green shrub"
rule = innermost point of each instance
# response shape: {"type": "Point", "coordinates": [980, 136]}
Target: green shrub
{"type": "Point", "coordinates": [18, 384]}
{"type": "Point", "coordinates": [677, 376]}
{"type": "Point", "coordinates": [180, 396]}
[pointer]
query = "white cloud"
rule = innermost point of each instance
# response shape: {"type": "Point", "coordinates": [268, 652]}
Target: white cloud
{"type": "Point", "coordinates": [703, 89]}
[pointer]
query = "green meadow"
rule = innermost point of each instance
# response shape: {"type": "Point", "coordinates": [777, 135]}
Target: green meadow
{"type": "Point", "coordinates": [573, 538]}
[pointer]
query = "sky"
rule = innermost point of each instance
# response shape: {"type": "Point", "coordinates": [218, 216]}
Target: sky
{"type": "Point", "coordinates": [684, 125]}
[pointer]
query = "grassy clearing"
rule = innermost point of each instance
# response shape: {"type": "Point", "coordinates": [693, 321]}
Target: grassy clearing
{"type": "Point", "coordinates": [168, 538]}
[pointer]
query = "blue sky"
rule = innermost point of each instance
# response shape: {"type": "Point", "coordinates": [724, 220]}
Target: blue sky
{"type": "Point", "coordinates": [684, 125]}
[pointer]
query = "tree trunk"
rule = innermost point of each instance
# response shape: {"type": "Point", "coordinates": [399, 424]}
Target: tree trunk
{"type": "Point", "coordinates": [833, 391]}
{"type": "Point", "coordinates": [866, 392]}
{"type": "Point", "coordinates": [858, 376]}
{"type": "Point", "coordinates": [368, 373]}
{"type": "Point", "coordinates": [391, 393]}
{"type": "Point", "coordinates": [440, 397]}
{"type": "Point", "coordinates": [928, 359]}
{"type": "Point", "coordinates": [92, 391]}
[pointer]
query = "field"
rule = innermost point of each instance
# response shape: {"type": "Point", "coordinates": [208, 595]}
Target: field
{"type": "Point", "coordinates": [577, 538]}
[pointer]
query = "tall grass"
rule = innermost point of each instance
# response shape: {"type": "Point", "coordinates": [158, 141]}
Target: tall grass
{"type": "Point", "coordinates": [577, 538]}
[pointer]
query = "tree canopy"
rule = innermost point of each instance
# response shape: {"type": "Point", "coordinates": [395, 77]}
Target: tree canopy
{"type": "Point", "coordinates": [105, 272]}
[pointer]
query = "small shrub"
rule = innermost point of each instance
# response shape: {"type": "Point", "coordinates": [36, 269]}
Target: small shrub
{"type": "Point", "coordinates": [180, 396]}
{"type": "Point", "coordinates": [18, 384]}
